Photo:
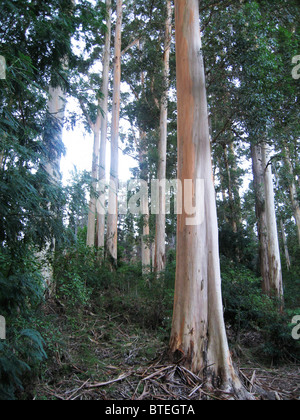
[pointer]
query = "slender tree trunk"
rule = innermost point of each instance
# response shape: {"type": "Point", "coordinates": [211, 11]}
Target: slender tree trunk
{"type": "Point", "coordinates": [261, 215]}
{"type": "Point", "coordinates": [222, 186]}
{"type": "Point", "coordinates": [293, 190]}
{"type": "Point", "coordinates": [160, 235]}
{"type": "Point", "coordinates": [112, 220]}
{"type": "Point", "coordinates": [91, 231]}
{"type": "Point", "coordinates": [233, 219]}
{"type": "Point", "coordinates": [273, 241]}
{"type": "Point", "coordinates": [145, 247]}
{"type": "Point", "coordinates": [104, 123]}
{"type": "Point", "coordinates": [146, 252]}
{"type": "Point", "coordinates": [285, 246]}
{"type": "Point", "coordinates": [267, 227]}
{"type": "Point", "coordinates": [235, 186]}
{"type": "Point", "coordinates": [198, 334]}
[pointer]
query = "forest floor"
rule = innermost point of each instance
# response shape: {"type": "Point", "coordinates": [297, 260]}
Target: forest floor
{"type": "Point", "coordinates": [105, 356]}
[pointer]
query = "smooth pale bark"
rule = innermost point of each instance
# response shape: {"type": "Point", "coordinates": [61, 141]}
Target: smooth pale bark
{"type": "Point", "coordinates": [261, 215]}
{"type": "Point", "coordinates": [271, 271]}
{"type": "Point", "coordinates": [91, 231]}
{"type": "Point", "coordinates": [145, 247]}
{"type": "Point", "coordinates": [198, 334]}
{"type": "Point", "coordinates": [112, 219]}
{"type": "Point", "coordinates": [273, 241]}
{"type": "Point", "coordinates": [104, 122]}
{"type": "Point", "coordinates": [146, 252]}
{"type": "Point", "coordinates": [293, 190]}
{"type": "Point", "coordinates": [160, 235]}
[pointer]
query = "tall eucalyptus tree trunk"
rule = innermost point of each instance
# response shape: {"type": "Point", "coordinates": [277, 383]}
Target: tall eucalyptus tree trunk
{"type": "Point", "coordinates": [112, 219]}
{"type": "Point", "coordinates": [91, 229]}
{"type": "Point", "coordinates": [104, 122]}
{"type": "Point", "coordinates": [270, 261]}
{"type": "Point", "coordinates": [285, 246]}
{"type": "Point", "coordinates": [160, 236]}
{"type": "Point", "coordinates": [293, 190]}
{"type": "Point", "coordinates": [198, 334]}
{"type": "Point", "coordinates": [99, 151]}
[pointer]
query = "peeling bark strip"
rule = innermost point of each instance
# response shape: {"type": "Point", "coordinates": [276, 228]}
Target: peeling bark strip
{"type": "Point", "coordinates": [112, 220]}
{"type": "Point", "coordinates": [198, 335]}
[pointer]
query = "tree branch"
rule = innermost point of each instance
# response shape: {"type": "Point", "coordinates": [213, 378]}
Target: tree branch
{"type": "Point", "coordinates": [132, 44]}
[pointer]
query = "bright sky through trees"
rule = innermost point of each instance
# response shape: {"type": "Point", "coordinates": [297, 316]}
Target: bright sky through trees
{"type": "Point", "coordinates": [79, 148]}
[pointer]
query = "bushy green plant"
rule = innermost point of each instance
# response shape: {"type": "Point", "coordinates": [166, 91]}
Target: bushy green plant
{"type": "Point", "coordinates": [248, 309]}
{"type": "Point", "coordinates": [76, 272]}
{"type": "Point", "coordinates": [147, 299]}
{"type": "Point", "coordinates": [244, 302]}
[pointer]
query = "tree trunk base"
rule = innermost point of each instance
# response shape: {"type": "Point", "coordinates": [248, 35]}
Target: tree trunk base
{"type": "Point", "coordinates": [213, 385]}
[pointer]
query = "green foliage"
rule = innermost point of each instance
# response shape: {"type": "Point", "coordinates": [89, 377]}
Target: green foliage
{"type": "Point", "coordinates": [20, 281]}
{"type": "Point", "coordinates": [21, 353]}
{"type": "Point", "coordinates": [11, 370]}
{"type": "Point", "coordinates": [247, 309]}
{"type": "Point", "coordinates": [244, 303]}
{"type": "Point", "coordinates": [34, 38]}
{"type": "Point", "coordinates": [76, 271]}
{"type": "Point", "coordinates": [240, 247]}
{"type": "Point", "coordinates": [21, 293]}
{"type": "Point", "coordinates": [145, 299]}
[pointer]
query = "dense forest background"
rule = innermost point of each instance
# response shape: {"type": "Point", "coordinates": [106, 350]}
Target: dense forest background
{"type": "Point", "coordinates": [73, 308]}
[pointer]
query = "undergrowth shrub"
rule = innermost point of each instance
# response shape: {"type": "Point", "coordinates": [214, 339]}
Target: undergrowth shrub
{"type": "Point", "coordinates": [143, 299]}
{"type": "Point", "coordinates": [76, 272]}
{"type": "Point", "coordinates": [248, 309]}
